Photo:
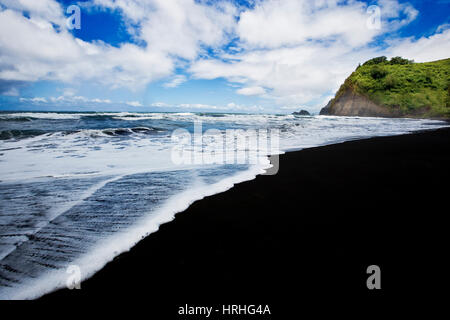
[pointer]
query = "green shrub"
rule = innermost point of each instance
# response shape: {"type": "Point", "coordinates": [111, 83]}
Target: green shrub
{"type": "Point", "coordinates": [378, 72]}
{"type": "Point", "coordinates": [400, 60]}
{"type": "Point", "coordinates": [390, 82]}
{"type": "Point", "coordinates": [377, 60]}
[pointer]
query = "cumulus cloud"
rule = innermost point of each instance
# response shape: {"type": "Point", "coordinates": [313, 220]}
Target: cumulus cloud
{"type": "Point", "coordinates": [68, 98]}
{"type": "Point", "coordinates": [34, 100]}
{"type": "Point", "coordinates": [96, 100]}
{"type": "Point", "coordinates": [134, 103]}
{"type": "Point", "coordinates": [41, 12]}
{"type": "Point", "coordinates": [434, 47]}
{"type": "Point", "coordinates": [290, 52]}
{"type": "Point", "coordinates": [392, 12]}
{"type": "Point", "coordinates": [251, 91]}
{"type": "Point", "coordinates": [273, 23]}
{"type": "Point", "coordinates": [302, 50]}
{"type": "Point", "coordinates": [295, 75]}
{"type": "Point", "coordinates": [175, 82]}
{"type": "Point", "coordinates": [40, 48]}
{"type": "Point", "coordinates": [35, 51]}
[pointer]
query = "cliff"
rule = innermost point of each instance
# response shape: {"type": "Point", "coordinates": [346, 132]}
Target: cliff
{"type": "Point", "coordinates": [395, 88]}
{"type": "Point", "coordinates": [351, 103]}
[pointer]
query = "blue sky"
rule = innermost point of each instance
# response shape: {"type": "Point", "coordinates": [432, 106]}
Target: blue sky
{"type": "Point", "coordinates": [217, 56]}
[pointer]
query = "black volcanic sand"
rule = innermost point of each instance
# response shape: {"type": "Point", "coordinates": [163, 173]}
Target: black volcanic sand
{"type": "Point", "coordinates": [306, 234]}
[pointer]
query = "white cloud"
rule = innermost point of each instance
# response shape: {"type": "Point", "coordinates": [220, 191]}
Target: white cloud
{"type": "Point", "coordinates": [41, 12]}
{"type": "Point", "coordinates": [34, 100]}
{"type": "Point", "coordinates": [175, 82]}
{"type": "Point", "coordinates": [295, 75]}
{"type": "Point", "coordinates": [68, 97]}
{"type": "Point", "coordinates": [290, 52]}
{"type": "Point", "coordinates": [275, 23]}
{"type": "Point", "coordinates": [176, 28]}
{"type": "Point", "coordinates": [434, 47]}
{"type": "Point", "coordinates": [38, 52]}
{"type": "Point", "coordinates": [32, 49]}
{"type": "Point", "coordinates": [134, 103]}
{"type": "Point", "coordinates": [251, 91]}
{"type": "Point", "coordinates": [69, 92]}
{"type": "Point", "coordinates": [392, 10]}
{"type": "Point", "coordinates": [301, 51]}
{"type": "Point", "coordinates": [96, 100]}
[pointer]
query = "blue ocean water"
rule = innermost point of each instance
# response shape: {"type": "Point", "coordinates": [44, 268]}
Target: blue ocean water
{"type": "Point", "coordinates": [80, 188]}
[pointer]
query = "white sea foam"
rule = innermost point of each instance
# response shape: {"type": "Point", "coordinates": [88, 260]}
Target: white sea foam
{"type": "Point", "coordinates": [109, 248]}
{"type": "Point", "coordinates": [65, 175]}
{"type": "Point", "coordinates": [43, 115]}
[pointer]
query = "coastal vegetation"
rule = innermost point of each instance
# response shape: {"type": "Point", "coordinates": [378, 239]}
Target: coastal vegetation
{"type": "Point", "coordinates": [404, 87]}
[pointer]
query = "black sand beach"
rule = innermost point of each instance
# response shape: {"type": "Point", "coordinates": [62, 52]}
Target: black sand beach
{"type": "Point", "coordinates": [308, 233]}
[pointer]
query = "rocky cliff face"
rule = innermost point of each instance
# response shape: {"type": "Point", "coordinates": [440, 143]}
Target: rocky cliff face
{"type": "Point", "coordinates": [353, 104]}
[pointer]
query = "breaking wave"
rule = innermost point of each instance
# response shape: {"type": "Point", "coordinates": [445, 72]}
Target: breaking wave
{"type": "Point", "coordinates": [80, 188]}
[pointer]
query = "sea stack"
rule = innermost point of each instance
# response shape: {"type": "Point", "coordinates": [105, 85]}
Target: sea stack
{"type": "Point", "coordinates": [301, 113]}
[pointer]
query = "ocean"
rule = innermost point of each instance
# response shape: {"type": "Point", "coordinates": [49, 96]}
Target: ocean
{"type": "Point", "coordinates": [78, 189]}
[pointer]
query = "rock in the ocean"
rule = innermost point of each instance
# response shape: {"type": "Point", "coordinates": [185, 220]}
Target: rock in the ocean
{"type": "Point", "coordinates": [301, 113]}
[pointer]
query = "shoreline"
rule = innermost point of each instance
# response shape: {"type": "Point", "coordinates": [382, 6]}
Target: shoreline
{"type": "Point", "coordinates": [245, 242]}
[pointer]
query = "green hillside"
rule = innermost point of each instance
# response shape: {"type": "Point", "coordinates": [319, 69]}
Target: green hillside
{"type": "Point", "coordinates": [405, 87]}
